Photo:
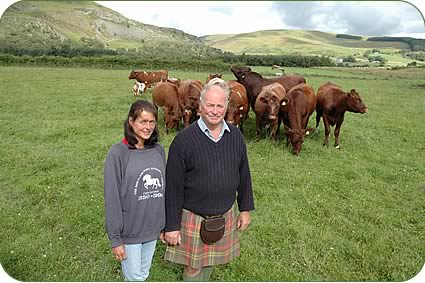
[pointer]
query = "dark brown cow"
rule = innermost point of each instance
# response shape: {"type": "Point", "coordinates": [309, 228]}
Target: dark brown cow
{"type": "Point", "coordinates": [148, 78]}
{"type": "Point", "coordinates": [165, 95]}
{"type": "Point", "coordinates": [296, 107]}
{"type": "Point", "coordinates": [189, 96]}
{"type": "Point", "coordinates": [238, 106]}
{"type": "Point", "coordinates": [212, 76]}
{"type": "Point", "coordinates": [254, 82]}
{"type": "Point", "coordinates": [332, 103]}
{"type": "Point", "coordinates": [267, 108]}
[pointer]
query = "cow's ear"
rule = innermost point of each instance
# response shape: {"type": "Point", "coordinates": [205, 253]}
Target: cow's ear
{"type": "Point", "coordinates": [284, 102]}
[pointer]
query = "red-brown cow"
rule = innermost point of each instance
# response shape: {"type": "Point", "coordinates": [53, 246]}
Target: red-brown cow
{"type": "Point", "coordinates": [148, 78]}
{"type": "Point", "coordinates": [189, 95]}
{"type": "Point", "coordinates": [332, 103]}
{"type": "Point", "coordinates": [254, 82]}
{"type": "Point", "coordinates": [267, 108]}
{"type": "Point", "coordinates": [238, 106]}
{"type": "Point", "coordinates": [296, 107]}
{"type": "Point", "coordinates": [165, 94]}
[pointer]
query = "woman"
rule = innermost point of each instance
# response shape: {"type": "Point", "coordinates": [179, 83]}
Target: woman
{"type": "Point", "coordinates": [134, 187]}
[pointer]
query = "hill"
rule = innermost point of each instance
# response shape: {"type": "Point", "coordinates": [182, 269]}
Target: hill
{"type": "Point", "coordinates": [303, 42]}
{"type": "Point", "coordinates": [72, 28]}
{"type": "Point", "coordinates": [43, 24]}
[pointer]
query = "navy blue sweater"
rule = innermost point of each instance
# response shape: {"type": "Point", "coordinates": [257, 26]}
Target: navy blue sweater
{"type": "Point", "coordinates": [206, 177]}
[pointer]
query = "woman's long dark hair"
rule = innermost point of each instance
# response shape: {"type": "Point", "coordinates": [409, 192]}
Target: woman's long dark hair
{"type": "Point", "coordinates": [136, 108]}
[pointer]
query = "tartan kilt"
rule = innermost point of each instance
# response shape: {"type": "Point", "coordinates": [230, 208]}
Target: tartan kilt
{"type": "Point", "coordinates": [194, 252]}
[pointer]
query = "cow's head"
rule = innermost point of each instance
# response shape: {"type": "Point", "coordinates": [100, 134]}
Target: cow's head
{"type": "Point", "coordinates": [273, 106]}
{"type": "Point", "coordinates": [132, 75]}
{"type": "Point", "coordinates": [172, 116]}
{"type": "Point", "coordinates": [271, 95]}
{"type": "Point", "coordinates": [296, 137]}
{"type": "Point", "coordinates": [355, 103]}
{"type": "Point", "coordinates": [212, 76]}
{"type": "Point", "coordinates": [234, 113]}
{"type": "Point", "coordinates": [190, 112]}
{"type": "Point", "coordinates": [190, 95]}
{"type": "Point", "coordinates": [240, 72]}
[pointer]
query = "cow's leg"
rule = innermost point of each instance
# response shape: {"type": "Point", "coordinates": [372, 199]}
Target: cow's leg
{"type": "Point", "coordinates": [336, 131]}
{"type": "Point", "coordinates": [318, 116]}
{"type": "Point", "coordinates": [287, 137]}
{"type": "Point", "coordinates": [279, 121]}
{"type": "Point", "coordinates": [258, 125]}
{"type": "Point", "coordinates": [273, 129]}
{"type": "Point", "coordinates": [327, 130]}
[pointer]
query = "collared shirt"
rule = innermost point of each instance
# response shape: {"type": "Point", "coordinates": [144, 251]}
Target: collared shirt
{"type": "Point", "coordinates": [207, 131]}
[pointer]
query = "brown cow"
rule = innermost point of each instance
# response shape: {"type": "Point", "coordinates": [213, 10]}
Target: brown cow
{"type": "Point", "coordinates": [212, 76]}
{"type": "Point", "coordinates": [165, 94]}
{"type": "Point", "coordinates": [148, 78]}
{"type": "Point", "coordinates": [332, 103]}
{"type": "Point", "coordinates": [296, 107]}
{"type": "Point", "coordinates": [254, 82]}
{"type": "Point", "coordinates": [189, 95]}
{"type": "Point", "coordinates": [267, 108]}
{"type": "Point", "coordinates": [238, 106]}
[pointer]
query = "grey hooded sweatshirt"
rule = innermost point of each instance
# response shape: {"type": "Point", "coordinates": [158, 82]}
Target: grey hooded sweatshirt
{"type": "Point", "coordinates": [134, 191]}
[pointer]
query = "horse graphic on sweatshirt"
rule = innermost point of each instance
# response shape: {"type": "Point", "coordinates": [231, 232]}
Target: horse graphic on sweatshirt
{"type": "Point", "coordinates": [149, 181]}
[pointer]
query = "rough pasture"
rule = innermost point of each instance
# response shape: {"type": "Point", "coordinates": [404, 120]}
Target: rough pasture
{"type": "Point", "coordinates": [354, 214]}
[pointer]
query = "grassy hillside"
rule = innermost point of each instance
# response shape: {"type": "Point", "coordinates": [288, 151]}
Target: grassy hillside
{"type": "Point", "coordinates": [46, 23]}
{"type": "Point", "coordinates": [305, 42]}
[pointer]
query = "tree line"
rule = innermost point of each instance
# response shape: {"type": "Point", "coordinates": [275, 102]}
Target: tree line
{"type": "Point", "coordinates": [415, 44]}
{"type": "Point", "coordinates": [183, 57]}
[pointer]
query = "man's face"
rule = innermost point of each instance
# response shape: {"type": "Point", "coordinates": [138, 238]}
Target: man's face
{"type": "Point", "coordinates": [213, 106]}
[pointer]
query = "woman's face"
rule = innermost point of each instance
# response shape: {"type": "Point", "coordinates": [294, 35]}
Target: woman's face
{"type": "Point", "coordinates": [143, 126]}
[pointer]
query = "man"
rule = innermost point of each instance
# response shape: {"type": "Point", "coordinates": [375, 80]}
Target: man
{"type": "Point", "coordinates": [207, 170]}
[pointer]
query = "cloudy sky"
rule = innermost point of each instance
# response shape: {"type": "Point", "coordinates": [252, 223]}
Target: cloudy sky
{"type": "Point", "coordinates": [368, 18]}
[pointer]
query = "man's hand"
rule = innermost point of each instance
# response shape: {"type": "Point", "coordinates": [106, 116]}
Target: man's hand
{"type": "Point", "coordinates": [243, 220]}
{"type": "Point", "coordinates": [119, 252]}
{"type": "Point", "coordinates": [173, 238]}
{"type": "Point", "coordinates": [162, 237]}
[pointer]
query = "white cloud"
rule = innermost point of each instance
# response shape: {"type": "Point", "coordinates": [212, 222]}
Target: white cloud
{"type": "Point", "coordinates": [217, 17]}
{"type": "Point", "coordinates": [362, 18]}
{"type": "Point", "coordinates": [201, 17]}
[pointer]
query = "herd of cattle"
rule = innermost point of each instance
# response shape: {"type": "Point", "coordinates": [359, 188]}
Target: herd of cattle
{"type": "Point", "coordinates": [286, 99]}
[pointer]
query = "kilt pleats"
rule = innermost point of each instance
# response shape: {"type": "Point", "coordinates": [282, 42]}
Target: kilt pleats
{"type": "Point", "coordinates": [195, 253]}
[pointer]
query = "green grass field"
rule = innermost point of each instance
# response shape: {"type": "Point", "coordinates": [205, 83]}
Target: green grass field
{"type": "Point", "coordinates": [353, 214]}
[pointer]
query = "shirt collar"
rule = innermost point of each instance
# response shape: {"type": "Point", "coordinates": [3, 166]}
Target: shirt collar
{"type": "Point", "coordinates": [206, 131]}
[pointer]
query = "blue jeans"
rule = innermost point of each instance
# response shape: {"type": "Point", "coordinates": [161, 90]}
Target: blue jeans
{"type": "Point", "coordinates": [138, 262]}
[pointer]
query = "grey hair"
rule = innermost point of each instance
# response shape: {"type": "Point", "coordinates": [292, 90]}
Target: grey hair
{"type": "Point", "coordinates": [216, 82]}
